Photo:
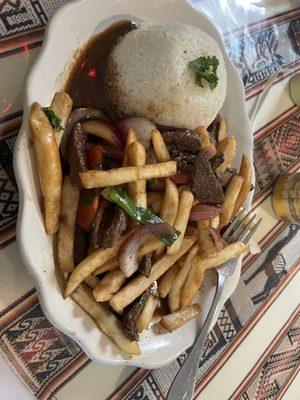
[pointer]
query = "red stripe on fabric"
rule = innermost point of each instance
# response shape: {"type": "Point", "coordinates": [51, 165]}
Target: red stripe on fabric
{"type": "Point", "coordinates": [274, 344]}
{"type": "Point", "coordinates": [12, 116]}
{"type": "Point", "coordinates": [257, 89]}
{"type": "Point", "coordinates": [263, 243]}
{"type": "Point", "coordinates": [268, 190]}
{"type": "Point", "coordinates": [288, 383]}
{"type": "Point", "coordinates": [275, 123]}
{"type": "Point", "coordinates": [122, 390]}
{"type": "Point", "coordinates": [17, 309]}
{"type": "Point", "coordinates": [265, 23]}
{"type": "Point", "coordinates": [20, 49]}
{"type": "Point", "coordinates": [246, 329]}
{"type": "Point", "coordinates": [69, 372]}
{"type": "Point", "coordinates": [22, 39]}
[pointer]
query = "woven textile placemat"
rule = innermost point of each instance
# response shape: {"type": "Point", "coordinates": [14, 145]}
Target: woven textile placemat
{"type": "Point", "coordinates": [44, 358]}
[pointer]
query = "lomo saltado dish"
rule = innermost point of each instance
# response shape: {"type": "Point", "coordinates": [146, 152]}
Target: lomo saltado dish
{"type": "Point", "coordinates": [135, 165]}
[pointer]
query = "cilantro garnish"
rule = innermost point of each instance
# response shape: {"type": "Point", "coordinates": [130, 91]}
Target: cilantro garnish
{"type": "Point", "coordinates": [54, 120]}
{"type": "Point", "coordinates": [206, 68]}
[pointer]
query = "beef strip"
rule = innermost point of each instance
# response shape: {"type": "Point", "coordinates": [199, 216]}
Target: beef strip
{"type": "Point", "coordinates": [76, 153]}
{"type": "Point", "coordinates": [183, 139]}
{"type": "Point", "coordinates": [185, 160]}
{"type": "Point", "coordinates": [224, 177]}
{"type": "Point", "coordinates": [146, 265]}
{"type": "Point", "coordinates": [216, 161]}
{"type": "Point", "coordinates": [97, 222]}
{"type": "Point", "coordinates": [80, 245]}
{"type": "Point", "coordinates": [112, 152]}
{"type": "Point", "coordinates": [132, 313]}
{"type": "Point", "coordinates": [213, 130]}
{"type": "Point", "coordinates": [205, 185]}
{"type": "Point", "coordinates": [114, 222]}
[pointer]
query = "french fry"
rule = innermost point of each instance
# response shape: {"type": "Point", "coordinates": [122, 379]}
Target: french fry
{"type": "Point", "coordinates": [178, 318]}
{"type": "Point", "coordinates": [226, 253]}
{"type": "Point", "coordinates": [105, 320]}
{"type": "Point", "coordinates": [118, 176]}
{"type": "Point", "coordinates": [170, 203]}
{"type": "Point", "coordinates": [87, 266]}
{"type": "Point", "coordinates": [91, 281]}
{"type": "Point", "coordinates": [169, 207]}
{"type": "Point", "coordinates": [153, 197]}
{"type": "Point", "coordinates": [131, 137]}
{"type": "Point", "coordinates": [155, 207]}
{"type": "Point", "coordinates": [246, 173]}
{"type": "Point", "coordinates": [154, 200]}
{"type": "Point", "coordinates": [181, 188]}
{"type": "Point", "coordinates": [149, 247]}
{"type": "Point", "coordinates": [160, 148]}
{"type": "Point", "coordinates": [191, 231]}
{"type": "Point", "coordinates": [136, 156]}
{"type": "Point", "coordinates": [61, 106]}
{"type": "Point", "coordinates": [60, 279]}
{"type": "Point", "coordinates": [108, 285]}
{"type": "Point", "coordinates": [66, 232]}
{"type": "Point", "coordinates": [140, 283]}
{"type": "Point", "coordinates": [110, 265]}
{"type": "Point", "coordinates": [206, 144]}
{"type": "Point", "coordinates": [182, 217]}
{"type": "Point", "coordinates": [146, 315]}
{"type": "Point", "coordinates": [176, 288]}
{"type": "Point", "coordinates": [214, 222]}
{"type": "Point", "coordinates": [231, 193]}
{"type": "Point", "coordinates": [222, 129]}
{"type": "Point", "coordinates": [166, 281]}
{"type": "Point", "coordinates": [206, 243]}
{"type": "Point", "coordinates": [49, 166]}
{"type": "Point", "coordinates": [228, 147]}
{"type": "Point", "coordinates": [193, 282]}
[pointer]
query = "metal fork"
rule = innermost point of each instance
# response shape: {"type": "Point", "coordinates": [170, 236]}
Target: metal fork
{"type": "Point", "coordinates": [241, 228]}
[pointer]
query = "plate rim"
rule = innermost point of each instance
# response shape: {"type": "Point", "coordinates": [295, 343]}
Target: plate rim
{"type": "Point", "coordinates": [21, 181]}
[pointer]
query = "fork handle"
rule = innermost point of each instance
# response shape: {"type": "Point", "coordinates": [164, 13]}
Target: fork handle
{"type": "Point", "coordinates": [183, 385]}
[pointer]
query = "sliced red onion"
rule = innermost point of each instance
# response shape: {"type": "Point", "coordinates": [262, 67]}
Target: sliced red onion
{"type": "Point", "coordinates": [142, 127]}
{"type": "Point", "coordinates": [128, 253]}
{"type": "Point", "coordinates": [210, 151]}
{"type": "Point", "coordinates": [104, 130]}
{"type": "Point", "coordinates": [77, 115]}
{"type": "Point", "coordinates": [215, 234]}
{"type": "Point", "coordinates": [201, 212]}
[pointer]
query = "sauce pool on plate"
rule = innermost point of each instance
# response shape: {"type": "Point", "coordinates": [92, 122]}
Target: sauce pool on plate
{"type": "Point", "coordinates": [86, 82]}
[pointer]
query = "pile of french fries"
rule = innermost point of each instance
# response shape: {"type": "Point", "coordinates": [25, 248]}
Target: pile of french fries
{"type": "Point", "coordinates": [178, 270]}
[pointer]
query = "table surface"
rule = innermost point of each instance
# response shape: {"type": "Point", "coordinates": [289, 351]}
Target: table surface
{"type": "Point", "coordinates": [272, 328]}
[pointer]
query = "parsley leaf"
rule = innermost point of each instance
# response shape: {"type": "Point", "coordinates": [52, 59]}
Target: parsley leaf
{"type": "Point", "coordinates": [54, 120]}
{"type": "Point", "coordinates": [206, 68]}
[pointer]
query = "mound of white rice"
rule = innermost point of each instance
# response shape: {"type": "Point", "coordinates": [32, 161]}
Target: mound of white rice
{"type": "Point", "coordinates": [148, 76]}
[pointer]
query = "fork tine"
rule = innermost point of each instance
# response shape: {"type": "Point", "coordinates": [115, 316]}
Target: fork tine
{"type": "Point", "coordinates": [241, 228]}
{"type": "Point", "coordinates": [235, 223]}
{"type": "Point", "coordinates": [251, 231]}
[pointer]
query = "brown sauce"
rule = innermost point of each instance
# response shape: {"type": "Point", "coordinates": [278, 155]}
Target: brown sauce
{"type": "Point", "coordinates": [86, 83]}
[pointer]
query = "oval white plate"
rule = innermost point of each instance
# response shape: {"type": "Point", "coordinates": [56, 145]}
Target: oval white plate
{"type": "Point", "coordinates": [68, 30]}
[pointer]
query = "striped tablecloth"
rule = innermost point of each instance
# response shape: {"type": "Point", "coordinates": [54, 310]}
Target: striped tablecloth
{"type": "Point", "coordinates": [253, 352]}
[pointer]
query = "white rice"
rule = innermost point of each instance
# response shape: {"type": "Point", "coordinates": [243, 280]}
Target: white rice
{"type": "Point", "coordinates": [148, 76]}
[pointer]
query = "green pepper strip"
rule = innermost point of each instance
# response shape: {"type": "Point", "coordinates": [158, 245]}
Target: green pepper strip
{"type": "Point", "coordinates": [143, 216]}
